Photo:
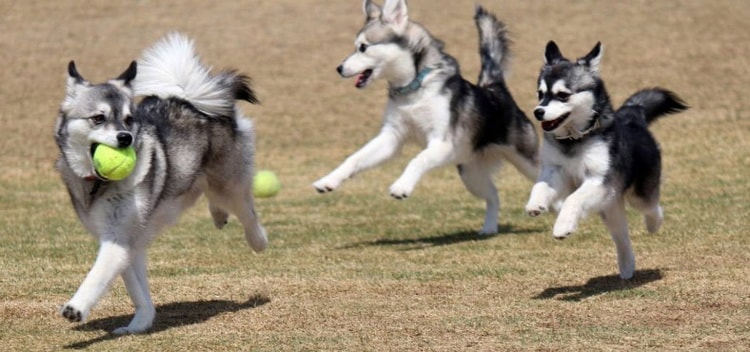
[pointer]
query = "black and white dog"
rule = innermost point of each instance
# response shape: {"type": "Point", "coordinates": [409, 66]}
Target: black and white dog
{"type": "Point", "coordinates": [594, 158]}
{"type": "Point", "coordinates": [475, 127]}
{"type": "Point", "coordinates": [190, 139]}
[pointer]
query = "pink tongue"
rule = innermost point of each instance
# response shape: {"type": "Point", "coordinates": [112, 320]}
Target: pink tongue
{"type": "Point", "coordinates": [360, 80]}
{"type": "Point", "coordinates": [548, 125]}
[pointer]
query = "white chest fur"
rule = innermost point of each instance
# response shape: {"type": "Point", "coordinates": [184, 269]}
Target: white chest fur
{"type": "Point", "coordinates": [591, 160]}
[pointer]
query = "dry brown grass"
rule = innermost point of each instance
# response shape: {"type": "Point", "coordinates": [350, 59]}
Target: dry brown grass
{"type": "Point", "coordinates": [355, 270]}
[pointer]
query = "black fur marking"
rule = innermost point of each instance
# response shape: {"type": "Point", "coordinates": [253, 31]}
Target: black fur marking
{"type": "Point", "coordinates": [150, 178]}
{"type": "Point", "coordinates": [634, 153]}
{"type": "Point", "coordinates": [417, 59]}
{"type": "Point", "coordinates": [399, 40]}
{"type": "Point", "coordinates": [602, 105]}
{"type": "Point", "coordinates": [491, 109]}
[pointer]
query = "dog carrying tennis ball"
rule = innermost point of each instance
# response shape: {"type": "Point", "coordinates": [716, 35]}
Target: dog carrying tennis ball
{"type": "Point", "coordinates": [114, 164]}
{"type": "Point", "coordinates": [266, 184]}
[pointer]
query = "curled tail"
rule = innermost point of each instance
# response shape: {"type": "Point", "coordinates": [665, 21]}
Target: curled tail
{"type": "Point", "coordinates": [656, 102]}
{"type": "Point", "coordinates": [493, 47]}
{"type": "Point", "coordinates": [171, 69]}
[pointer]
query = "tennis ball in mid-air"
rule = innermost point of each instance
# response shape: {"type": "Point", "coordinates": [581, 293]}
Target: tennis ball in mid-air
{"type": "Point", "coordinates": [114, 164]}
{"type": "Point", "coordinates": [265, 184]}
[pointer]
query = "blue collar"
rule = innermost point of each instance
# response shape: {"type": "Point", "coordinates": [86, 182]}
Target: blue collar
{"type": "Point", "coordinates": [413, 85]}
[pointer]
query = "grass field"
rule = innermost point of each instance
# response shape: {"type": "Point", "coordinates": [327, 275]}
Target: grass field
{"type": "Point", "coordinates": [356, 270]}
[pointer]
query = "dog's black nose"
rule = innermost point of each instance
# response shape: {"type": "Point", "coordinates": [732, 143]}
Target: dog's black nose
{"type": "Point", "coordinates": [539, 113]}
{"type": "Point", "coordinates": [340, 69]}
{"type": "Point", "coordinates": [124, 139]}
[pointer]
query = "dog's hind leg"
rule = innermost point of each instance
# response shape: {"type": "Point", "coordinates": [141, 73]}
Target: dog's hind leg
{"type": "Point", "coordinates": [112, 259]}
{"type": "Point", "coordinates": [219, 215]}
{"type": "Point", "coordinates": [255, 234]}
{"type": "Point", "coordinates": [241, 204]}
{"type": "Point", "coordinates": [528, 166]}
{"type": "Point", "coordinates": [478, 180]}
{"type": "Point", "coordinates": [653, 217]}
{"type": "Point", "coordinates": [615, 218]}
{"type": "Point", "coordinates": [136, 282]}
{"type": "Point", "coordinates": [653, 214]}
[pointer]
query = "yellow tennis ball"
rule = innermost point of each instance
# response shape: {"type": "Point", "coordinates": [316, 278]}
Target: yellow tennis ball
{"type": "Point", "coordinates": [265, 184]}
{"type": "Point", "coordinates": [114, 163]}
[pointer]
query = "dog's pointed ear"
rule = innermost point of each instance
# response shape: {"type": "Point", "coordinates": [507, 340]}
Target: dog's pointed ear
{"type": "Point", "coordinates": [73, 72]}
{"type": "Point", "coordinates": [552, 54]}
{"type": "Point", "coordinates": [129, 74]}
{"type": "Point", "coordinates": [593, 58]}
{"type": "Point", "coordinates": [372, 11]}
{"type": "Point", "coordinates": [74, 79]}
{"type": "Point", "coordinates": [396, 14]}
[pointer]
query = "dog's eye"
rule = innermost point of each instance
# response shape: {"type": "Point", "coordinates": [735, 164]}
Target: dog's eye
{"type": "Point", "coordinates": [98, 119]}
{"type": "Point", "coordinates": [563, 96]}
{"type": "Point", "coordinates": [129, 120]}
{"type": "Point", "coordinates": [362, 48]}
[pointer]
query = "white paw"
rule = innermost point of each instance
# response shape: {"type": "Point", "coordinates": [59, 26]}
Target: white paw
{"type": "Point", "coordinates": [627, 273]}
{"type": "Point", "coordinates": [535, 209]}
{"type": "Point", "coordinates": [128, 330]}
{"type": "Point", "coordinates": [488, 230]}
{"type": "Point", "coordinates": [653, 221]}
{"type": "Point", "coordinates": [564, 227]}
{"type": "Point", "coordinates": [73, 314]}
{"type": "Point", "coordinates": [327, 184]}
{"type": "Point", "coordinates": [627, 268]}
{"type": "Point", "coordinates": [401, 190]}
{"type": "Point", "coordinates": [141, 322]}
{"type": "Point", "coordinates": [220, 218]}
{"type": "Point", "coordinates": [257, 238]}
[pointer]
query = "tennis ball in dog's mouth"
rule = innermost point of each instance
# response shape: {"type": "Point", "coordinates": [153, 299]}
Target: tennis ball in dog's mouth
{"type": "Point", "coordinates": [265, 184]}
{"type": "Point", "coordinates": [114, 164]}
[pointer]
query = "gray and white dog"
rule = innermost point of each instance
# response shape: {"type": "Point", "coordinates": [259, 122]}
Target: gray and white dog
{"type": "Point", "coordinates": [594, 158]}
{"type": "Point", "coordinates": [190, 139]}
{"type": "Point", "coordinates": [475, 127]}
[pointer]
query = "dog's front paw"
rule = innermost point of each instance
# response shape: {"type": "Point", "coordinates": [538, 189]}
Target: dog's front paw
{"type": "Point", "coordinates": [326, 184]}
{"type": "Point", "coordinates": [564, 227]}
{"type": "Point", "coordinates": [72, 313]}
{"type": "Point", "coordinates": [535, 209]}
{"type": "Point", "coordinates": [401, 190]}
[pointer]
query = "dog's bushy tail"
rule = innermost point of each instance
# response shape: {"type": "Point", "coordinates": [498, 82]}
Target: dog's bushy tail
{"type": "Point", "coordinates": [171, 69]}
{"type": "Point", "coordinates": [656, 102]}
{"type": "Point", "coordinates": [493, 47]}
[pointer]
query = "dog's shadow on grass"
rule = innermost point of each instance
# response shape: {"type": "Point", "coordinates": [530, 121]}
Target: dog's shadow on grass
{"type": "Point", "coordinates": [600, 285]}
{"type": "Point", "coordinates": [442, 239]}
{"type": "Point", "coordinates": [168, 316]}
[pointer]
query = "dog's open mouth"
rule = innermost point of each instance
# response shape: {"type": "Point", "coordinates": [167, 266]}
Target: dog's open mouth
{"type": "Point", "coordinates": [92, 150]}
{"type": "Point", "coordinates": [363, 78]}
{"type": "Point", "coordinates": [551, 125]}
